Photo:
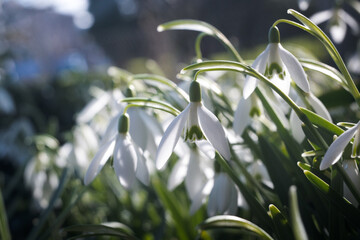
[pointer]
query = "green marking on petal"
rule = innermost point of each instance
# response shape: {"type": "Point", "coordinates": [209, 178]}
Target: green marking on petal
{"type": "Point", "coordinates": [254, 111]}
{"type": "Point", "coordinates": [194, 133]}
{"type": "Point", "coordinates": [274, 68]}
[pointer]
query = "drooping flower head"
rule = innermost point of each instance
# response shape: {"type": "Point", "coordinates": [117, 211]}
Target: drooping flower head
{"type": "Point", "coordinates": [337, 148]}
{"type": "Point", "coordinates": [279, 65]}
{"type": "Point", "coordinates": [127, 158]}
{"type": "Point", "coordinates": [198, 123]}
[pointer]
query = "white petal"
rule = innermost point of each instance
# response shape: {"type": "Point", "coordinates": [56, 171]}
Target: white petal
{"type": "Point", "coordinates": [242, 117]}
{"type": "Point", "coordinates": [295, 126]}
{"type": "Point", "coordinates": [142, 171]}
{"type": "Point", "coordinates": [111, 130]}
{"type": "Point", "coordinates": [259, 64]}
{"type": "Point", "coordinates": [178, 173]}
{"type": "Point", "coordinates": [170, 138]}
{"type": "Point", "coordinates": [125, 160]}
{"type": "Point", "coordinates": [99, 161]}
{"type": "Point", "coordinates": [336, 149]}
{"type": "Point", "coordinates": [322, 16]}
{"type": "Point", "coordinates": [219, 198]}
{"type": "Point", "coordinates": [352, 171]}
{"type": "Point", "coordinates": [295, 69]}
{"type": "Point", "coordinates": [138, 130]}
{"type": "Point", "coordinates": [199, 199]}
{"type": "Point", "coordinates": [233, 201]}
{"type": "Point", "coordinates": [319, 107]}
{"type": "Point", "coordinates": [195, 178]}
{"type": "Point", "coordinates": [92, 108]}
{"type": "Point", "coordinates": [206, 148]}
{"type": "Point", "coordinates": [226, 187]}
{"type": "Point", "coordinates": [338, 31]}
{"type": "Point", "coordinates": [213, 131]}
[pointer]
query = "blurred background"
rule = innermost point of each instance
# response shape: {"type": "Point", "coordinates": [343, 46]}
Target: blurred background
{"type": "Point", "coordinates": [53, 51]}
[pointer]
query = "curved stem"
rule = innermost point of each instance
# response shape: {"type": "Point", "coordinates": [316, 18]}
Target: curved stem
{"type": "Point", "coordinates": [162, 80]}
{"type": "Point", "coordinates": [198, 46]}
{"type": "Point", "coordinates": [150, 103]}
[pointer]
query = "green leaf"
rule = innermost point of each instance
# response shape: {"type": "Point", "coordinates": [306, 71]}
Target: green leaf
{"type": "Point", "coordinates": [281, 223]}
{"type": "Point", "coordinates": [106, 229]}
{"type": "Point", "coordinates": [321, 122]}
{"type": "Point", "coordinates": [233, 222]}
{"type": "Point", "coordinates": [313, 29]}
{"type": "Point", "coordinates": [342, 205]}
{"type": "Point", "coordinates": [203, 27]}
{"type": "Point", "coordinates": [4, 227]}
{"type": "Point", "coordinates": [325, 69]}
{"type": "Point", "coordinates": [296, 221]}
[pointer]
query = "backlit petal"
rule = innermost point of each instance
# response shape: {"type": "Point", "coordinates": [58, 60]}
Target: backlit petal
{"type": "Point", "coordinates": [259, 64]}
{"type": "Point", "coordinates": [295, 69]}
{"type": "Point", "coordinates": [336, 149]}
{"type": "Point", "coordinates": [99, 161]}
{"type": "Point", "coordinates": [178, 173]}
{"type": "Point", "coordinates": [352, 171]}
{"type": "Point", "coordinates": [125, 160]}
{"type": "Point", "coordinates": [170, 138]}
{"type": "Point", "coordinates": [242, 117]}
{"type": "Point", "coordinates": [213, 131]}
{"type": "Point", "coordinates": [195, 177]}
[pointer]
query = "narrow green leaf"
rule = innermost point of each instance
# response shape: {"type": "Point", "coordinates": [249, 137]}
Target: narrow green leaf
{"type": "Point", "coordinates": [342, 205]}
{"type": "Point", "coordinates": [317, 32]}
{"type": "Point", "coordinates": [296, 222]}
{"type": "Point", "coordinates": [281, 223]}
{"type": "Point", "coordinates": [4, 227]}
{"type": "Point", "coordinates": [105, 229]}
{"type": "Point", "coordinates": [172, 205]}
{"type": "Point", "coordinates": [325, 69]}
{"type": "Point", "coordinates": [278, 166]}
{"type": "Point", "coordinates": [226, 221]}
{"type": "Point", "coordinates": [203, 27]}
{"type": "Point", "coordinates": [322, 122]}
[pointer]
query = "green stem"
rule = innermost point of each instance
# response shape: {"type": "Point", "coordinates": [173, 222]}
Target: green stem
{"type": "Point", "coordinates": [162, 80]}
{"type": "Point", "coordinates": [150, 103]}
{"type": "Point", "coordinates": [198, 46]}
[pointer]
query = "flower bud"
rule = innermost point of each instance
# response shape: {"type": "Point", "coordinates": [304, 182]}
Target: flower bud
{"type": "Point", "coordinates": [274, 35]}
{"type": "Point", "coordinates": [195, 92]}
{"type": "Point", "coordinates": [123, 124]}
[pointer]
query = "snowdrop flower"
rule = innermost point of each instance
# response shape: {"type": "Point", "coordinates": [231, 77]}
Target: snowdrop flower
{"type": "Point", "coordinates": [198, 123]}
{"type": "Point", "coordinates": [338, 19]}
{"type": "Point", "coordinates": [336, 149]}
{"type": "Point", "coordinates": [295, 122]}
{"type": "Point", "coordinates": [127, 157]}
{"type": "Point", "coordinates": [352, 170]}
{"type": "Point", "coordinates": [279, 65]}
{"type": "Point", "coordinates": [223, 198]}
{"type": "Point", "coordinates": [195, 169]}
